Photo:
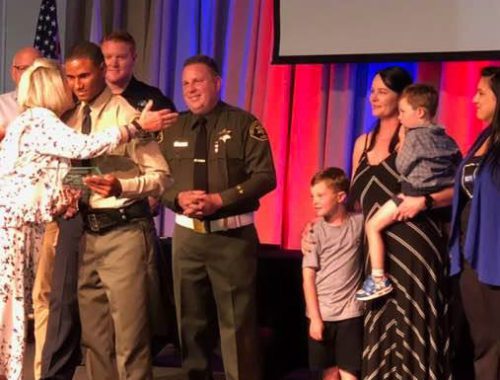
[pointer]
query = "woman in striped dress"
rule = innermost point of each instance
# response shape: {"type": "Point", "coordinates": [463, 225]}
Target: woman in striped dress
{"type": "Point", "coordinates": [406, 333]}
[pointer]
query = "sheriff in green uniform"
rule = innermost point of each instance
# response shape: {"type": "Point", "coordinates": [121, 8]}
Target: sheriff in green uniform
{"type": "Point", "coordinates": [221, 162]}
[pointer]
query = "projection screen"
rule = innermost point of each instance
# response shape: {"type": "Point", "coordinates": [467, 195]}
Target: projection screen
{"type": "Point", "coordinates": [309, 31]}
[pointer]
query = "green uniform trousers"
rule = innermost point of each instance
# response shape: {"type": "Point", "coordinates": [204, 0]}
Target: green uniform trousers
{"type": "Point", "coordinates": [214, 277]}
{"type": "Point", "coordinates": [113, 302]}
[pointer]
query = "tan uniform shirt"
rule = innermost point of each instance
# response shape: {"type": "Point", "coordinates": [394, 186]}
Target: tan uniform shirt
{"type": "Point", "coordinates": [139, 164]}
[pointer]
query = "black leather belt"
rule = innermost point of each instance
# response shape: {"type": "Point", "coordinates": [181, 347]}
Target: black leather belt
{"type": "Point", "coordinates": [102, 220]}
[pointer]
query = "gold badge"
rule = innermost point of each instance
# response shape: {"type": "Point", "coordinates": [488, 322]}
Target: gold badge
{"type": "Point", "coordinates": [225, 135]}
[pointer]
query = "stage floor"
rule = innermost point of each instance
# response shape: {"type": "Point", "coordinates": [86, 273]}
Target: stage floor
{"type": "Point", "coordinates": [160, 373]}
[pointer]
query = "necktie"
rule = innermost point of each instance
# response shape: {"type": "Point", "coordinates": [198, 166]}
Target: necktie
{"type": "Point", "coordinates": [200, 179]}
{"type": "Point", "coordinates": [86, 121]}
{"type": "Point", "coordinates": [86, 127]}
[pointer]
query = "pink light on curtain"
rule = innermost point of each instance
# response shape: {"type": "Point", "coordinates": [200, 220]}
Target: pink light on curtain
{"type": "Point", "coordinates": [270, 101]}
{"type": "Point", "coordinates": [305, 149]}
{"type": "Point", "coordinates": [456, 111]}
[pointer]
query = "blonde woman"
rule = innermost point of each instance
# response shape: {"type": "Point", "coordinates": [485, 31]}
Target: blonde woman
{"type": "Point", "coordinates": [35, 156]}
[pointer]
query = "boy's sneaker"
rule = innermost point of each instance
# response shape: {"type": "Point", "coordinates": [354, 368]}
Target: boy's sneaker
{"type": "Point", "coordinates": [374, 289]}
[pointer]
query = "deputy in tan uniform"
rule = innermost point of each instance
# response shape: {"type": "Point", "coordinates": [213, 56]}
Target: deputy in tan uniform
{"type": "Point", "coordinates": [112, 286]}
{"type": "Point", "coordinates": [221, 162]}
{"type": "Point", "coordinates": [120, 55]}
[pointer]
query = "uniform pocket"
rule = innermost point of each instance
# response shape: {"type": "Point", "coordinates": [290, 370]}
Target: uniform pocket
{"type": "Point", "coordinates": [179, 149]}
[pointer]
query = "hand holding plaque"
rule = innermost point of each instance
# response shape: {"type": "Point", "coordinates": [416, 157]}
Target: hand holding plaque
{"type": "Point", "coordinates": [105, 185]}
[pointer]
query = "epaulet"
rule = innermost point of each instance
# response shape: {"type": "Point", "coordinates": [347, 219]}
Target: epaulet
{"type": "Point", "coordinates": [240, 111]}
{"type": "Point", "coordinates": [232, 108]}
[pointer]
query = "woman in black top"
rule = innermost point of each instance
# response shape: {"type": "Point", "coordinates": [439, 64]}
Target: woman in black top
{"type": "Point", "coordinates": [406, 333]}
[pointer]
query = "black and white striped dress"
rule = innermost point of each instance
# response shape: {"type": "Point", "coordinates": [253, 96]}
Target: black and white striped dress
{"type": "Point", "coordinates": [406, 332]}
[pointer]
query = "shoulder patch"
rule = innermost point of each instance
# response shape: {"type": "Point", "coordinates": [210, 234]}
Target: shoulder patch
{"type": "Point", "coordinates": [258, 132]}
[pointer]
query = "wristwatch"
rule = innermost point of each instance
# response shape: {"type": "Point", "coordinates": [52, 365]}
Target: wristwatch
{"type": "Point", "coordinates": [429, 202]}
{"type": "Point", "coordinates": [137, 131]}
{"type": "Point", "coordinates": [136, 124]}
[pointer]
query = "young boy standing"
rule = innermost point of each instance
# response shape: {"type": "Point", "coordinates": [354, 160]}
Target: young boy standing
{"type": "Point", "coordinates": [331, 275]}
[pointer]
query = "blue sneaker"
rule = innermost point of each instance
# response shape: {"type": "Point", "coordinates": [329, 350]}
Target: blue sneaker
{"type": "Point", "coordinates": [374, 289]}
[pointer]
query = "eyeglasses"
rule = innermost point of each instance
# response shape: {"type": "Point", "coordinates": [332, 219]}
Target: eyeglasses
{"type": "Point", "coordinates": [20, 67]}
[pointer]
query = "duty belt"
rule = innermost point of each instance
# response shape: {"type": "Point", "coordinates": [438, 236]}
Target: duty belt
{"type": "Point", "coordinates": [102, 220]}
{"type": "Point", "coordinates": [222, 224]}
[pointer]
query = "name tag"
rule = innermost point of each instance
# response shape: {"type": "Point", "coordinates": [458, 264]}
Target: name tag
{"type": "Point", "coordinates": [180, 144]}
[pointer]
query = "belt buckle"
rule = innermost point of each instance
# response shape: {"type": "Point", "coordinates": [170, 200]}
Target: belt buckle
{"type": "Point", "coordinates": [93, 223]}
{"type": "Point", "coordinates": [199, 226]}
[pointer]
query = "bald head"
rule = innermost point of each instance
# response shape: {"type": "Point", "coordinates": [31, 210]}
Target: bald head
{"type": "Point", "coordinates": [21, 61]}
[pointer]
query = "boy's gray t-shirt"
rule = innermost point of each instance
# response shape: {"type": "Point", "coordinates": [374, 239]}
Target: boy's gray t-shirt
{"type": "Point", "coordinates": [338, 263]}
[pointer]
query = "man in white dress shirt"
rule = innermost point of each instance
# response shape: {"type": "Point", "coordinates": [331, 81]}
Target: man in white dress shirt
{"type": "Point", "coordinates": [8, 101]}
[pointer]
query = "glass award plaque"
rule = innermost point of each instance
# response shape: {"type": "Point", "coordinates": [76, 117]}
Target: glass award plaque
{"type": "Point", "coordinates": [76, 174]}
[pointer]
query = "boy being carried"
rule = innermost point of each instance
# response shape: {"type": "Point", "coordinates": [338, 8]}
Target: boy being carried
{"type": "Point", "coordinates": [427, 161]}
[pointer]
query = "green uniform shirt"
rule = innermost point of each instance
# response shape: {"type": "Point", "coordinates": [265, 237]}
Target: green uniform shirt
{"type": "Point", "coordinates": [240, 163]}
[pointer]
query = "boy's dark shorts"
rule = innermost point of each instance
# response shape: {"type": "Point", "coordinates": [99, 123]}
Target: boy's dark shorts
{"type": "Point", "coordinates": [341, 346]}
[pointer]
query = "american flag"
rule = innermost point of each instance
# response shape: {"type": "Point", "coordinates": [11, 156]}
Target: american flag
{"type": "Point", "coordinates": [47, 34]}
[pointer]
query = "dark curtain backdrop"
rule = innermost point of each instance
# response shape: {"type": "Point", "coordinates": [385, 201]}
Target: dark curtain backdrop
{"type": "Point", "coordinates": [313, 113]}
